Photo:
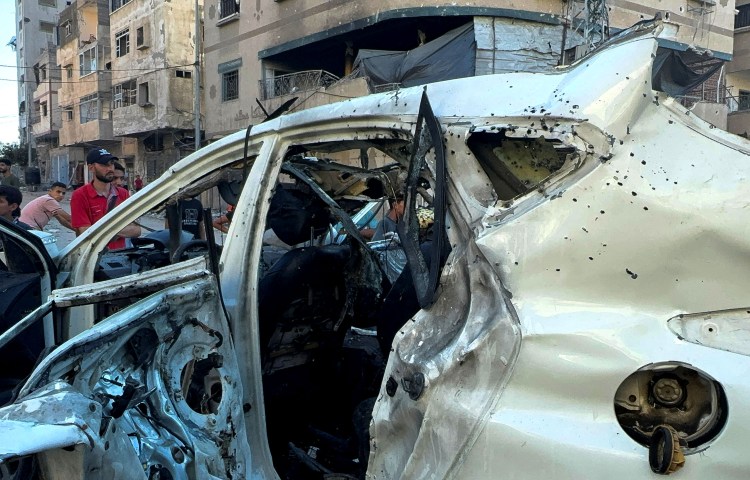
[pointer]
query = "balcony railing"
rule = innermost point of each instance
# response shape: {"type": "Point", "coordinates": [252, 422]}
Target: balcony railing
{"type": "Point", "coordinates": [295, 82]}
{"type": "Point", "coordinates": [712, 95]}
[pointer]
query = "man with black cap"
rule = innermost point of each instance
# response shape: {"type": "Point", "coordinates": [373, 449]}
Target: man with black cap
{"type": "Point", "coordinates": [6, 177]}
{"type": "Point", "coordinates": [92, 201]}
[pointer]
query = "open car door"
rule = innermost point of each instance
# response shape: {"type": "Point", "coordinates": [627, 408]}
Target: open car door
{"type": "Point", "coordinates": [27, 276]}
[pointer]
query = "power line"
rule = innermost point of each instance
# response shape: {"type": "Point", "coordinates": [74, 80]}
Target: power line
{"type": "Point", "coordinates": [95, 79]}
{"type": "Point", "coordinates": [108, 70]}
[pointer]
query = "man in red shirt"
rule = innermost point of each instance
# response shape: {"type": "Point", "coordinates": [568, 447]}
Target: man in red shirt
{"type": "Point", "coordinates": [92, 201]}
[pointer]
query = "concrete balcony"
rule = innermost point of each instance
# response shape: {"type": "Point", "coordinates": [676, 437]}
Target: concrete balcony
{"type": "Point", "coordinates": [45, 128]}
{"type": "Point", "coordinates": [73, 132]}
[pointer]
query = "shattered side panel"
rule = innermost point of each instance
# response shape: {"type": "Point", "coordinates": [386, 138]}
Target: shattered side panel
{"type": "Point", "coordinates": [463, 348]}
{"type": "Point", "coordinates": [153, 390]}
{"type": "Point", "coordinates": [589, 270]}
{"type": "Point", "coordinates": [658, 230]}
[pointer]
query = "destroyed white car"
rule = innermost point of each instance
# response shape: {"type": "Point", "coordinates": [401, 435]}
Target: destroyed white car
{"type": "Point", "coordinates": [578, 309]}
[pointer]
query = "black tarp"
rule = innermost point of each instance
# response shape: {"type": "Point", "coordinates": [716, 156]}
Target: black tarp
{"type": "Point", "coordinates": [670, 73]}
{"type": "Point", "coordinates": [450, 56]}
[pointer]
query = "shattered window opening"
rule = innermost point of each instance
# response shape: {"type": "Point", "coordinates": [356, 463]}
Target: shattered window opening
{"type": "Point", "coordinates": [517, 166]}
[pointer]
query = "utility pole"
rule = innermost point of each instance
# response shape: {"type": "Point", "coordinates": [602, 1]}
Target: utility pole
{"type": "Point", "coordinates": [197, 76]}
{"type": "Point", "coordinates": [29, 102]}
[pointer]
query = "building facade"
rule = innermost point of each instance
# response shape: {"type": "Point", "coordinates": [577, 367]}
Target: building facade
{"type": "Point", "coordinates": [35, 38]}
{"type": "Point", "coordinates": [738, 73]}
{"type": "Point", "coordinates": [84, 95]}
{"type": "Point", "coordinates": [153, 70]}
{"type": "Point", "coordinates": [46, 115]}
{"type": "Point", "coordinates": [259, 55]}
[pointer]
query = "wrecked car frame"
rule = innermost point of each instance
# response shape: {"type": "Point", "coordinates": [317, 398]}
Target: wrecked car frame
{"type": "Point", "coordinates": [584, 318]}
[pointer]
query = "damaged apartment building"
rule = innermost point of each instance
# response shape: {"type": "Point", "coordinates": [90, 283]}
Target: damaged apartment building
{"type": "Point", "coordinates": [126, 70]}
{"type": "Point", "coordinates": [128, 73]}
{"type": "Point", "coordinates": [262, 56]}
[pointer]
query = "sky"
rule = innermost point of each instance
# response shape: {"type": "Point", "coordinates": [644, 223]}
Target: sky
{"type": "Point", "coordinates": [8, 75]}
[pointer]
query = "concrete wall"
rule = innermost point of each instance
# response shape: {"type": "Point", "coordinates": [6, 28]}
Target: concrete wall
{"type": "Point", "coordinates": [268, 27]}
{"type": "Point", "coordinates": [31, 41]}
{"type": "Point", "coordinates": [89, 30]}
{"type": "Point", "coordinates": [169, 46]}
{"type": "Point", "coordinates": [46, 92]}
{"type": "Point", "coordinates": [713, 113]}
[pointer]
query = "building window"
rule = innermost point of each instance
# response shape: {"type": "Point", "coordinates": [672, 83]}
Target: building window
{"type": "Point", "coordinates": [89, 108]}
{"type": "Point", "coordinates": [743, 100]}
{"type": "Point", "coordinates": [122, 43]}
{"type": "Point", "coordinates": [142, 37]}
{"type": "Point", "coordinates": [87, 60]}
{"type": "Point", "coordinates": [143, 99]}
{"type": "Point", "coordinates": [68, 113]}
{"type": "Point", "coordinates": [230, 86]}
{"type": "Point", "coordinates": [69, 71]}
{"type": "Point", "coordinates": [43, 108]}
{"type": "Point", "coordinates": [118, 4]}
{"type": "Point", "coordinates": [43, 73]}
{"type": "Point", "coordinates": [68, 29]}
{"type": "Point", "coordinates": [47, 3]}
{"type": "Point", "coordinates": [46, 27]}
{"type": "Point", "coordinates": [742, 19]}
{"type": "Point", "coordinates": [228, 8]}
{"type": "Point", "coordinates": [124, 94]}
{"type": "Point", "coordinates": [183, 74]}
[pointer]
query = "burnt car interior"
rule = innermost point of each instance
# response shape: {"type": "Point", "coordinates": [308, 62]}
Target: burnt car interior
{"type": "Point", "coordinates": [328, 311]}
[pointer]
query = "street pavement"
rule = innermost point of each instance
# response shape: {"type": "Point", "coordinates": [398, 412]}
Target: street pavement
{"type": "Point", "coordinates": [148, 222]}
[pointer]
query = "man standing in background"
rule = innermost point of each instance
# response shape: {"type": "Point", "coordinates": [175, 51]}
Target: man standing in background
{"type": "Point", "coordinates": [191, 214]}
{"type": "Point", "coordinates": [39, 211]}
{"type": "Point", "coordinates": [119, 179]}
{"type": "Point", "coordinates": [137, 183]}
{"type": "Point", "coordinates": [92, 201]}
{"type": "Point", "coordinates": [6, 177]}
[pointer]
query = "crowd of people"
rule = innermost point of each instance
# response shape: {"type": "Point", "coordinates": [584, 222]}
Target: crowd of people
{"type": "Point", "coordinates": [90, 202]}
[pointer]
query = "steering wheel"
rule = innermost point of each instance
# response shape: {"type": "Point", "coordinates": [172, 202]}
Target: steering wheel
{"type": "Point", "coordinates": [196, 245]}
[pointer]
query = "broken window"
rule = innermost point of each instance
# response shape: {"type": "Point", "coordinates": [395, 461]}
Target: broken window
{"type": "Point", "coordinates": [142, 37]}
{"type": "Point", "coordinates": [124, 94]}
{"type": "Point", "coordinates": [89, 108]}
{"type": "Point", "coordinates": [143, 95]}
{"type": "Point", "coordinates": [87, 61]}
{"type": "Point", "coordinates": [46, 27]}
{"type": "Point", "coordinates": [517, 165]}
{"type": "Point", "coordinates": [122, 43]}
